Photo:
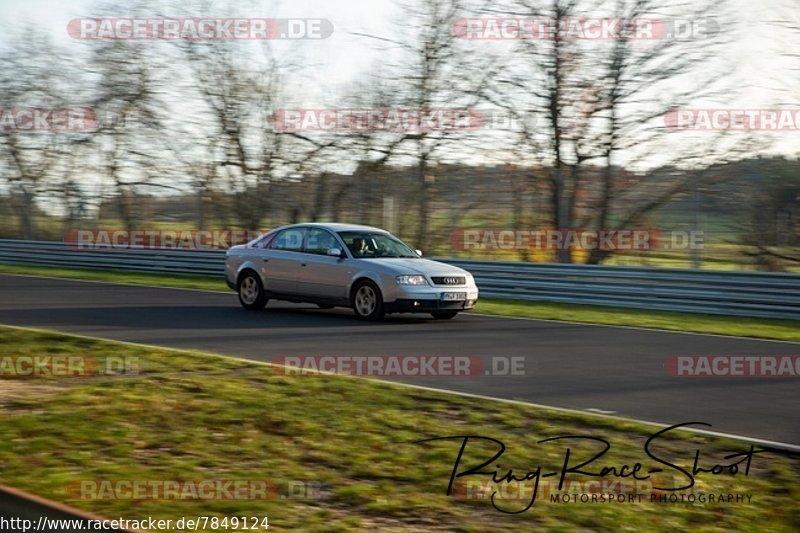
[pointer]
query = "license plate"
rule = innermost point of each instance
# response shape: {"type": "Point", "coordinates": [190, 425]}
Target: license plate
{"type": "Point", "coordinates": [453, 296]}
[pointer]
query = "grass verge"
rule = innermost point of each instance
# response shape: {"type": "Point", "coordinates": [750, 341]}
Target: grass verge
{"type": "Point", "coordinates": [786, 330]}
{"type": "Point", "coordinates": [192, 416]}
{"type": "Point", "coordinates": [160, 280]}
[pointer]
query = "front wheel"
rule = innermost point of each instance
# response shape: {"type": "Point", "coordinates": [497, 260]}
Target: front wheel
{"type": "Point", "coordinates": [367, 301]}
{"type": "Point", "coordinates": [251, 292]}
{"type": "Point", "coordinates": [444, 315]}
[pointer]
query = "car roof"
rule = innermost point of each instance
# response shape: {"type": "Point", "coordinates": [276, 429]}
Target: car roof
{"type": "Point", "coordinates": [334, 226]}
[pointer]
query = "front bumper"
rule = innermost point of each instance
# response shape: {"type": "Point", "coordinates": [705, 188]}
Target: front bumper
{"type": "Point", "coordinates": [426, 299]}
{"type": "Point", "coordinates": [427, 306]}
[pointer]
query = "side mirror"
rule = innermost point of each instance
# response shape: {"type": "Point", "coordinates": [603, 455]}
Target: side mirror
{"type": "Point", "coordinates": [419, 252]}
{"type": "Point", "coordinates": [335, 252]}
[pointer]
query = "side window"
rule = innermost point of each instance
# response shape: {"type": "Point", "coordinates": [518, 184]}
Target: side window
{"type": "Point", "coordinates": [320, 241]}
{"type": "Point", "coordinates": [288, 239]}
{"type": "Point", "coordinates": [264, 241]}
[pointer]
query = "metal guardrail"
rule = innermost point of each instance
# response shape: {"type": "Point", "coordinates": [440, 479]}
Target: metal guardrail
{"type": "Point", "coordinates": [164, 261]}
{"type": "Point", "coordinates": [751, 294]}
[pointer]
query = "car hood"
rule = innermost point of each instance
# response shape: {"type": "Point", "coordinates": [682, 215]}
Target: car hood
{"type": "Point", "coordinates": [401, 265]}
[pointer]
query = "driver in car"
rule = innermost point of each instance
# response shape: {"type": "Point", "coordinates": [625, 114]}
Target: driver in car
{"type": "Point", "coordinates": [360, 247]}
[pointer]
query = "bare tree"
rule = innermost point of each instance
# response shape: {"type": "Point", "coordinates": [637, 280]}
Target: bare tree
{"type": "Point", "coordinates": [432, 74]}
{"type": "Point", "coordinates": [582, 103]}
{"type": "Point", "coordinates": [33, 164]}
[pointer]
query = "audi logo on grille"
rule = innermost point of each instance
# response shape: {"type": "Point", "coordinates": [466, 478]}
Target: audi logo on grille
{"type": "Point", "coordinates": [449, 280]}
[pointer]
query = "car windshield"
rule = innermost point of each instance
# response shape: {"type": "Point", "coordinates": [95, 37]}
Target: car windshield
{"type": "Point", "coordinates": [365, 245]}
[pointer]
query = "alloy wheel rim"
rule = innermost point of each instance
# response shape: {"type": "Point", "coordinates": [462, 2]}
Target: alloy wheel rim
{"type": "Point", "coordinates": [249, 290]}
{"type": "Point", "coordinates": [365, 300]}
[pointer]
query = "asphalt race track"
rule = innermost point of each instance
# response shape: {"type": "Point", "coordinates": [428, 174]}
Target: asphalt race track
{"type": "Point", "coordinates": [582, 367]}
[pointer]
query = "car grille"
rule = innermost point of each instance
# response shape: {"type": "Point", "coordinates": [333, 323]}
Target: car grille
{"type": "Point", "coordinates": [449, 280]}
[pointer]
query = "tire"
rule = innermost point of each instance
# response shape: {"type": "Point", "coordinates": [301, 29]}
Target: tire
{"type": "Point", "coordinates": [324, 306]}
{"type": "Point", "coordinates": [367, 301]}
{"type": "Point", "coordinates": [251, 292]}
{"type": "Point", "coordinates": [444, 315]}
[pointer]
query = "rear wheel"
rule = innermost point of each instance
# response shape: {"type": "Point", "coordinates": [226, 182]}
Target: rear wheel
{"type": "Point", "coordinates": [251, 292]}
{"type": "Point", "coordinates": [367, 301]}
{"type": "Point", "coordinates": [444, 315]}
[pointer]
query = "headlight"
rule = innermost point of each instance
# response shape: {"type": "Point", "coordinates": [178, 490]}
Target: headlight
{"type": "Point", "coordinates": [411, 280]}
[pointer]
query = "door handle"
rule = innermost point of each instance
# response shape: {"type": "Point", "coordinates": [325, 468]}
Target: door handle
{"type": "Point", "coordinates": [265, 260]}
{"type": "Point", "coordinates": [302, 264]}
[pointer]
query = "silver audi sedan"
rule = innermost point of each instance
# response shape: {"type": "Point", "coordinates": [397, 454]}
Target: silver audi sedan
{"type": "Point", "coordinates": [367, 269]}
